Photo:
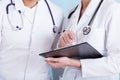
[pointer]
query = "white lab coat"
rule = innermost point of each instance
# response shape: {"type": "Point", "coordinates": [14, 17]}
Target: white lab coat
{"type": "Point", "coordinates": [19, 59]}
{"type": "Point", "coordinates": [104, 36]}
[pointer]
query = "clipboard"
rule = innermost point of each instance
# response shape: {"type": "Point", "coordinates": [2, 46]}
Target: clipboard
{"type": "Point", "coordinates": [79, 51]}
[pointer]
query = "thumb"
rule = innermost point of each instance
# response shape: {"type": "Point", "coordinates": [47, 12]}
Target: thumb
{"type": "Point", "coordinates": [52, 60]}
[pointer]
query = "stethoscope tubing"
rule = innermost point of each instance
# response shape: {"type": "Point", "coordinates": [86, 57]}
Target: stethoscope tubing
{"type": "Point", "coordinates": [86, 30]}
{"type": "Point", "coordinates": [95, 13]}
{"type": "Point", "coordinates": [7, 7]}
{"type": "Point", "coordinates": [50, 12]}
{"type": "Point", "coordinates": [19, 28]}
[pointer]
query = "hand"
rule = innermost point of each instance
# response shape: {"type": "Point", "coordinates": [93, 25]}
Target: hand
{"type": "Point", "coordinates": [63, 62]}
{"type": "Point", "coordinates": [67, 38]}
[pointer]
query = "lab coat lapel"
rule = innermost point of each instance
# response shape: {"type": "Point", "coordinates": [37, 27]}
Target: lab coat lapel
{"type": "Point", "coordinates": [76, 14]}
{"type": "Point", "coordinates": [72, 22]}
{"type": "Point", "coordinates": [83, 22]}
{"type": "Point", "coordinates": [87, 15]}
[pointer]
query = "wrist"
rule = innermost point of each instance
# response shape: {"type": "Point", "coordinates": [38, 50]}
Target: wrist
{"type": "Point", "coordinates": [75, 63]}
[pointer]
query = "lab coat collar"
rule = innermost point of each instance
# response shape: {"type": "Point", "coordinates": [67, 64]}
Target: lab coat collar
{"type": "Point", "coordinates": [89, 11]}
{"type": "Point", "coordinates": [76, 13]}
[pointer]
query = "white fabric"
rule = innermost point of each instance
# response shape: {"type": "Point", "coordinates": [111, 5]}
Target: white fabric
{"type": "Point", "coordinates": [19, 59]}
{"type": "Point", "coordinates": [104, 36]}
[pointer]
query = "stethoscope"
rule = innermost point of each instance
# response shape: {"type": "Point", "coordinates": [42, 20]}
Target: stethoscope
{"type": "Point", "coordinates": [19, 27]}
{"type": "Point", "coordinates": [86, 30]}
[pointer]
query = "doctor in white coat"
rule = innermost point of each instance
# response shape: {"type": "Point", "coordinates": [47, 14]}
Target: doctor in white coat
{"type": "Point", "coordinates": [26, 30]}
{"type": "Point", "coordinates": [102, 33]}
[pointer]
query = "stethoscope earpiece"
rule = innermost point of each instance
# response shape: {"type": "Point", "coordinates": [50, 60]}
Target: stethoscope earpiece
{"type": "Point", "coordinates": [18, 28]}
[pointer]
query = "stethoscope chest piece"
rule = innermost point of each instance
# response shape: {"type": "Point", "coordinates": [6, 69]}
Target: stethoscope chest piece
{"type": "Point", "coordinates": [86, 30]}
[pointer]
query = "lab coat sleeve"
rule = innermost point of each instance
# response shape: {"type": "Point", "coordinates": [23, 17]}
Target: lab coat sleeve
{"type": "Point", "coordinates": [109, 65]}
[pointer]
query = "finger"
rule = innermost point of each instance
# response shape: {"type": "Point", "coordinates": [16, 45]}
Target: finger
{"type": "Point", "coordinates": [62, 41]}
{"type": "Point", "coordinates": [54, 65]}
{"type": "Point", "coordinates": [55, 60]}
{"type": "Point", "coordinates": [71, 35]}
{"type": "Point", "coordinates": [66, 38]}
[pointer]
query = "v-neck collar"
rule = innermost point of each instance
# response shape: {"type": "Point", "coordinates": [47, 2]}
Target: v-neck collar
{"type": "Point", "coordinates": [19, 5]}
{"type": "Point", "coordinates": [85, 18]}
{"type": "Point", "coordinates": [88, 13]}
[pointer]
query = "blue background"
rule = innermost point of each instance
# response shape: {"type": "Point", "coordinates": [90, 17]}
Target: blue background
{"type": "Point", "coordinates": [66, 5]}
